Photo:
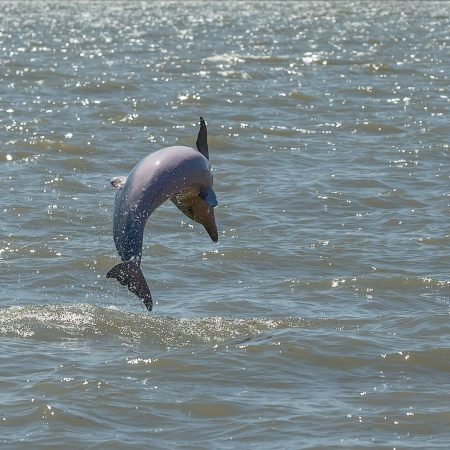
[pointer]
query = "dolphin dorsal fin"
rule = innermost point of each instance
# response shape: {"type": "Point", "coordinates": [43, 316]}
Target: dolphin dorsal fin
{"type": "Point", "coordinates": [202, 139]}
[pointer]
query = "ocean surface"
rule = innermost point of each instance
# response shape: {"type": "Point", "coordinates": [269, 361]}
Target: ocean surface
{"type": "Point", "coordinates": [321, 319]}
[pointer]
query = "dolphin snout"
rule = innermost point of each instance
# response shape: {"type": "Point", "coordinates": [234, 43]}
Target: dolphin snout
{"type": "Point", "coordinates": [209, 223]}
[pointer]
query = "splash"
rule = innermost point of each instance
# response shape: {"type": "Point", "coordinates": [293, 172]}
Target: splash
{"type": "Point", "coordinates": [54, 322]}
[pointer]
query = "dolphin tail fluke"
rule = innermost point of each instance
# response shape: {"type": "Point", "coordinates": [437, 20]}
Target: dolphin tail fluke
{"type": "Point", "coordinates": [130, 274]}
{"type": "Point", "coordinates": [202, 139]}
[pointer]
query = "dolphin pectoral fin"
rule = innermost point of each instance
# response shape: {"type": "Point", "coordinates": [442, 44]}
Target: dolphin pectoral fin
{"type": "Point", "coordinates": [210, 197]}
{"type": "Point", "coordinates": [202, 139]}
{"type": "Point", "coordinates": [118, 182]}
{"type": "Point", "coordinates": [130, 274]}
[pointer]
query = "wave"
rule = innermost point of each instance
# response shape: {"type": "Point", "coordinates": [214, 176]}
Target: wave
{"type": "Point", "coordinates": [378, 128]}
{"type": "Point", "coordinates": [58, 321]}
{"type": "Point", "coordinates": [298, 95]}
{"type": "Point", "coordinates": [367, 281]}
{"type": "Point", "coordinates": [105, 86]}
{"type": "Point", "coordinates": [236, 58]}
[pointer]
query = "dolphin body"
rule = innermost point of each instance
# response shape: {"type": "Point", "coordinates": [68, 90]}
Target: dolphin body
{"type": "Point", "coordinates": [181, 174]}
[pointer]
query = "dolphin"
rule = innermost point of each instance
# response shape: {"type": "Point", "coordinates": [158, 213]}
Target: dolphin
{"type": "Point", "coordinates": [181, 174]}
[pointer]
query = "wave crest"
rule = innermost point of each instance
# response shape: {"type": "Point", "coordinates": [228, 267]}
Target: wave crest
{"type": "Point", "coordinates": [53, 322]}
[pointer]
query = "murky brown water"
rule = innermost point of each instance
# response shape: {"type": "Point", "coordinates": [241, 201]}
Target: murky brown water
{"type": "Point", "coordinates": [321, 318]}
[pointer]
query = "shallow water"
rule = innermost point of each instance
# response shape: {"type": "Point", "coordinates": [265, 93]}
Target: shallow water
{"type": "Point", "coordinates": [321, 318]}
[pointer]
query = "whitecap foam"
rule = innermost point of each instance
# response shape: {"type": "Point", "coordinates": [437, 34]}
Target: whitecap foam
{"type": "Point", "coordinates": [56, 321]}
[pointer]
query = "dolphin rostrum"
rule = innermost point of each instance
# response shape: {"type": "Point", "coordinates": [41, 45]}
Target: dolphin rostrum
{"type": "Point", "coordinates": [181, 174]}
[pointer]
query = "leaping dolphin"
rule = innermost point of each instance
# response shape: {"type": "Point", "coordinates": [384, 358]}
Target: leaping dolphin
{"type": "Point", "coordinates": [180, 173]}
